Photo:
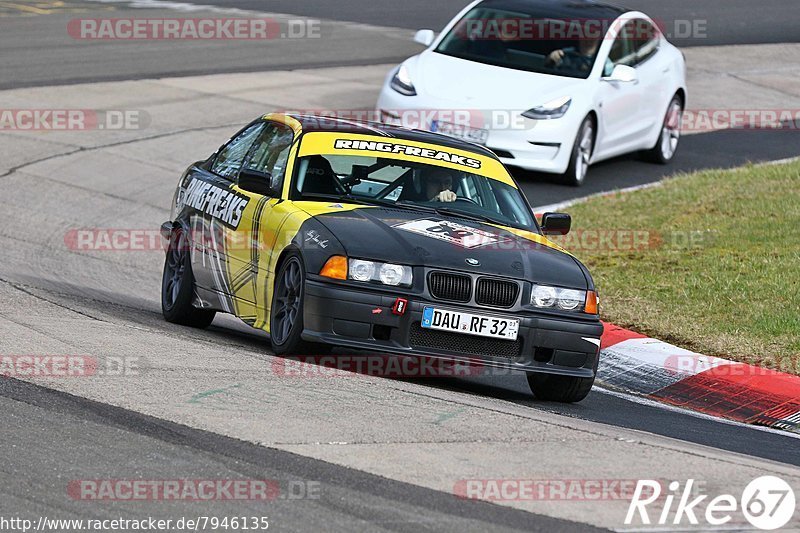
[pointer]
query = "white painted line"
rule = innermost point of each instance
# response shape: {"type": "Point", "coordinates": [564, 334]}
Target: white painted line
{"type": "Point", "coordinates": [568, 203]}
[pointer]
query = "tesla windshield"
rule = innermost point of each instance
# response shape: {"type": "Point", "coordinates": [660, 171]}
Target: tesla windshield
{"type": "Point", "coordinates": [523, 41]}
{"type": "Point", "coordinates": [400, 183]}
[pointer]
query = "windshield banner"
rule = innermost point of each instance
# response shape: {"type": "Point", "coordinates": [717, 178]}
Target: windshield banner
{"type": "Point", "coordinates": [323, 143]}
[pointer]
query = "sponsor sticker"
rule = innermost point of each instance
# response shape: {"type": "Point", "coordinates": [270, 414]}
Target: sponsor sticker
{"type": "Point", "coordinates": [222, 204]}
{"type": "Point", "coordinates": [452, 232]}
{"type": "Point", "coordinates": [393, 148]}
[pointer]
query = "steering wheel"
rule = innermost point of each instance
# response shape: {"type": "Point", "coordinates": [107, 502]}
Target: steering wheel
{"type": "Point", "coordinates": [465, 199]}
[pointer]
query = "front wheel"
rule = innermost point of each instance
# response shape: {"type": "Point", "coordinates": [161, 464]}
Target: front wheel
{"type": "Point", "coordinates": [286, 315]}
{"type": "Point", "coordinates": [177, 286]}
{"type": "Point", "coordinates": [582, 151]}
{"type": "Point", "coordinates": [667, 144]}
{"type": "Point", "coordinates": [553, 388]}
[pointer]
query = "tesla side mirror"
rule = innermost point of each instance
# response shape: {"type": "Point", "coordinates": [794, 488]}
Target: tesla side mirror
{"type": "Point", "coordinates": [424, 37]}
{"type": "Point", "coordinates": [556, 223]}
{"type": "Point", "coordinates": [256, 182]}
{"type": "Point", "coordinates": [622, 74]}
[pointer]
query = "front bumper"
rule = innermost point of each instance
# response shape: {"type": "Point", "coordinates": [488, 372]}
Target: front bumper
{"type": "Point", "coordinates": [362, 319]}
{"type": "Point", "coordinates": [539, 145]}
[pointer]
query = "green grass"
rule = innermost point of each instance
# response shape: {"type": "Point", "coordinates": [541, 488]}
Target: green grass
{"type": "Point", "coordinates": [733, 291]}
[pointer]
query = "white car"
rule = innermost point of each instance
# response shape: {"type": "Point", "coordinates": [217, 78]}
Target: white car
{"type": "Point", "coordinates": [548, 85]}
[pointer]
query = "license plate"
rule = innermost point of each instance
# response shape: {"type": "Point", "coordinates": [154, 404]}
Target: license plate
{"type": "Point", "coordinates": [458, 322]}
{"type": "Point", "coordinates": [475, 135]}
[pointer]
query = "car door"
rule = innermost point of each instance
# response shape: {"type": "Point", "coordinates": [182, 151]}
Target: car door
{"type": "Point", "coordinates": [216, 215]}
{"type": "Point", "coordinates": [619, 103]}
{"type": "Point", "coordinates": [258, 238]}
{"type": "Point", "coordinates": [653, 70]}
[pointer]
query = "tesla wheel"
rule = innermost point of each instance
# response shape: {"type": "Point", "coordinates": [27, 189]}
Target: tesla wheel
{"type": "Point", "coordinates": [566, 389]}
{"type": "Point", "coordinates": [581, 154]}
{"type": "Point", "coordinates": [670, 135]}
{"type": "Point", "coordinates": [286, 315]}
{"type": "Point", "coordinates": [177, 286]}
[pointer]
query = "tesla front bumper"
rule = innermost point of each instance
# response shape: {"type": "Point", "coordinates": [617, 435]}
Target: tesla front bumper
{"type": "Point", "coordinates": [540, 145]}
{"type": "Point", "coordinates": [364, 320]}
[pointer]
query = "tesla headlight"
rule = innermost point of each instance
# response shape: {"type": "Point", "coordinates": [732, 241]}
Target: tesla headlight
{"type": "Point", "coordinates": [385, 273]}
{"type": "Point", "coordinates": [550, 110]}
{"type": "Point", "coordinates": [401, 82]}
{"type": "Point", "coordinates": [546, 296]}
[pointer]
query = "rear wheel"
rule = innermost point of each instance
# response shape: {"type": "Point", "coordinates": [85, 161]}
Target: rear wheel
{"type": "Point", "coordinates": [670, 135]}
{"type": "Point", "coordinates": [553, 388]}
{"type": "Point", "coordinates": [581, 154]}
{"type": "Point", "coordinates": [177, 286]}
{"type": "Point", "coordinates": [286, 315]}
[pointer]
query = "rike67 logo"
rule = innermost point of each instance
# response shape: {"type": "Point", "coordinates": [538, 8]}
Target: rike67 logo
{"type": "Point", "coordinates": [767, 503]}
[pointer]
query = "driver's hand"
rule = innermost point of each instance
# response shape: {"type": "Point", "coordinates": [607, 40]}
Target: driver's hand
{"type": "Point", "coordinates": [445, 196]}
{"type": "Point", "coordinates": [555, 57]}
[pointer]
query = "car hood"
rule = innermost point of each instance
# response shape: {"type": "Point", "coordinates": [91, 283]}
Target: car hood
{"type": "Point", "coordinates": [428, 239]}
{"type": "Point", "coordinates": [473, 85]}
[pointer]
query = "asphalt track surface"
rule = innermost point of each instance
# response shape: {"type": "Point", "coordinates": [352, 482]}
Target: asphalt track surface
{"type": "Point", "coordinates": [110, 438]}
{"type": "Point", "coordinates": [51, 433]}
{"type": "Point", "coordinates": [37, 50]}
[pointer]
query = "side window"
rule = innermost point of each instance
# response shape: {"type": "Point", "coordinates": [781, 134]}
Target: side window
{"type": "Point", "coordinates": [622, 52]}
{"type": "Point", "coordinates": [271, 153]}
{"type": "Point", "coordinates": [469, 189]}
{"type": "Point", "coordinates": [645, 40]}
{"type": "Point", "coordinates": [230, 158]}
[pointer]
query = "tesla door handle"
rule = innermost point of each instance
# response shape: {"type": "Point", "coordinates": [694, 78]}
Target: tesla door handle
{"type": "Point", "coordinates": [666, 70]}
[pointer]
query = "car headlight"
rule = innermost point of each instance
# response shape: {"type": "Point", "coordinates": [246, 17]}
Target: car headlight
{"type": "Point", "coordinates": [385, 273]}
{"type": "Point", "coordinates": [551, 110]}
{"type": "Point", "coordinates": [401, 82]}
{"type": "Point", "coordinates": [361, 270]}
{"type": "Point", "coordinates": [545, 296]}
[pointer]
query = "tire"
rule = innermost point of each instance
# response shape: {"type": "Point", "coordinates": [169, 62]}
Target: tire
{"type": "Point", "coordinates": [177, 286]}
{"type": "Point", "coordinates": [582, 150]}
{"type": "Point", "coordinates": [553, 388]}
{"type": "Point", "coordinates": [667, 144]}
{"type": "Point", "coordinates": [286, 313]}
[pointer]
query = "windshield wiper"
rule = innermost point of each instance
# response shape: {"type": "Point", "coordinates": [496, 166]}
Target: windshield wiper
{"type": "Point", "coordinates": [366, 201]}
{"type": "Point", "coordinates": [471, 216]}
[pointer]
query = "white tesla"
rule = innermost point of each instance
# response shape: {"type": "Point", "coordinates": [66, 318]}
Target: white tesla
{"type": "Point", "coordinates": [548, 85]}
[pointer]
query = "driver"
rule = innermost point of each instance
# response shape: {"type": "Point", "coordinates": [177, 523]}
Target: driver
{"type": "Point", "coordinates": [578, 58]}
{"type": "Point", "coordinates": [437, 183]}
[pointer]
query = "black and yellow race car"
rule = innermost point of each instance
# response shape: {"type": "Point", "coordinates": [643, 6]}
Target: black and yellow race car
{"type": "Point", "coordinates": [327, 232]}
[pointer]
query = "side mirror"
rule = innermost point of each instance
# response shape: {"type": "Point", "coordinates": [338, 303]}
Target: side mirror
{"type": "Point", "coordinates": [257, 182]}
{"type": "Point", "coordinates": [622, 74]}
{"type": "Point", "coordinates": [556, 223]}
{"type": "Point", "coordinates": [425, 37]}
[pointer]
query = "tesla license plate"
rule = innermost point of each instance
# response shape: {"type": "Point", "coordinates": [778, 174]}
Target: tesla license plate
{"type": "Point", "coordinates": [458, 322]}
{"type": "Point", "coordinates": [475, 135]}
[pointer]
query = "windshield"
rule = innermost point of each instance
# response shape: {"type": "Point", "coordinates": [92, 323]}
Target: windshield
{"type": "Point", "coordinates": [411, 185]}
{"type": "Point", "coordinates": [523, 41]}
